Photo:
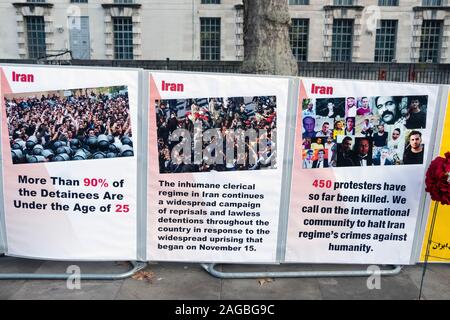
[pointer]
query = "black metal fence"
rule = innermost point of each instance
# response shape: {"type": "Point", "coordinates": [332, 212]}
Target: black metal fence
{"type": "Point", "coordinates": [402, 72]}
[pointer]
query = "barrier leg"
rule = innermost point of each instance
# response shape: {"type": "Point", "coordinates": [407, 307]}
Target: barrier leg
{"type": "Point", "coordinates": [393, 270]}
{"type": "Point", "coordinates": [135, 267]}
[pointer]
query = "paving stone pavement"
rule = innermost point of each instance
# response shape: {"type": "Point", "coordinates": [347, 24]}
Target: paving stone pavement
{"type": "Point", "coordinates": [184, 281]}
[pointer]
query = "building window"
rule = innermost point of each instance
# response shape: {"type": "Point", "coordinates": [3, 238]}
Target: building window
{"type": "Point", "coordinates": [79, 37]}
{"type": "Point", "coordinates": [343, 2]}
{"type": "Point", "coordinates": [432, 2]}
{"type": "Point", "coordinates": [123, 38]}
{"type": "Point", "coordinates": [123, 1]}
{"type": "Point", "coordinates": [385, 41]}
{"type": "Point", "coordinates": [299, 2]}
{"type": "Point", "coordinates": [79, 1]}
{"type": "Point", "coordinates": [430, 41]}
{"type": "Point", "coordinates": [36, 1]}
{"type": "Point", "coordinates": [36, 37]}
{"type": "Point", "coordinates": [298, 34]}
{"type": "Point", "coordinates": [341, 50]}
{"type": "Point", "coordinates": [388, 2]}
{"type": "Point", "coordinates": [210, 1]}
{"type": "Point", "coordinates": [210, 38]}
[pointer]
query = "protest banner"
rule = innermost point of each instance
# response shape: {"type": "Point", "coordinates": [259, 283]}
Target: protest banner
{"type": "Point", "coordinates": [2, 237]}
{"type": "Point", "coordinates": [69, 162]}
{"type": "Point", "coordinates": [440, 245]}
{"type": "Point", "coordinates": [215, 156]}
{"type": "Point", "coordinates": [358, 171]}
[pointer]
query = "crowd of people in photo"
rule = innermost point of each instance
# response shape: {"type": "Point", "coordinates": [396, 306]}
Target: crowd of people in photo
{"type": "Point", "coordinates": [78, 125]}
{"type": "Point", "coordinates": [363, 131]}
{"type": "Point", "coordinates": [237, 114]}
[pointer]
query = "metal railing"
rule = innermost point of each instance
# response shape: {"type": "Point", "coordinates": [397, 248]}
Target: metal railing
{"type": "Point", "coordinates": [400, 72]}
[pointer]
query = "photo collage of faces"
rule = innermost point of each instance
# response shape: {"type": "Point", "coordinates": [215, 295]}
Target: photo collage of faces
{"type": "Point", "coordinates": [363, 131]}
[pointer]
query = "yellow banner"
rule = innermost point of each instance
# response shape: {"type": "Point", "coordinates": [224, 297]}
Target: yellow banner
{"type": "Point", "coordinates": [440, 245]}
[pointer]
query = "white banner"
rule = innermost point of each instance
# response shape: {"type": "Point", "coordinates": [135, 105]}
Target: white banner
{"type": "Point", "coordinates": [2, 240]}
{"type": "Point", "coordinates": [359, 168]}
{"type": "Point", "coordinates": [2, 216]}
{"type": "Point", "coordinates": [69, 139]}
{"type": "Point", "coordinates": [215, 167]}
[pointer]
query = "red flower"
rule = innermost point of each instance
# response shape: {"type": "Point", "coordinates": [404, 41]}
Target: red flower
{"type": "Point", "coordinates": [437, 179]}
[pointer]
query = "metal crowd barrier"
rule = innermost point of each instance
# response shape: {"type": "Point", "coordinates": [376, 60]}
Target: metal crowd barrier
{"type": "Point", "coordinates": [210, 268]}
{"type": "Point", "coordinates": [136, 266]}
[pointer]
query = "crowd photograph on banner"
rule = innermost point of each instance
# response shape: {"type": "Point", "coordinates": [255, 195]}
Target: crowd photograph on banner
{"type": "Point", "coordinates": [216, 134]}
{"type": "Point", "coordinates": [363, 131]}
{"type": "Point", "coordinates": [69, 124]}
